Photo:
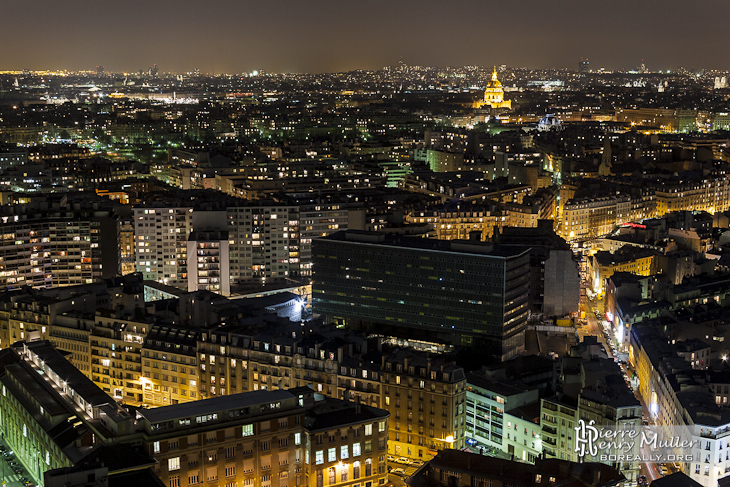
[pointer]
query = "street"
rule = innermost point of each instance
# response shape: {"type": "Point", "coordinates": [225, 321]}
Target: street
{"type": "Point", "coordinates": [594, 327]}
{"type": "Point", "coordinates": [9, 464]}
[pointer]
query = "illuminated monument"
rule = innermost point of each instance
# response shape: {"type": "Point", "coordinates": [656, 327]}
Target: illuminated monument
{"type": "Point", "coordinates": [494, 95]}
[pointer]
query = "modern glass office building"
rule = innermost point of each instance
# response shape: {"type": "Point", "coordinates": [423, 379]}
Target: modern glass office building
{"type": "Point", "coordinates": [458, 292]}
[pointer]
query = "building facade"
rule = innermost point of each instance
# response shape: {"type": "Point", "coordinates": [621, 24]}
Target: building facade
{"type": "Point", "coordinates": [468, 293]}
{"type": "Point", "coordinates": [277, 438]}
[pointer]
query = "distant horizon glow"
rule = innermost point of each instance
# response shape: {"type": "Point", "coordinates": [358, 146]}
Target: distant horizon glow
{"type": "Point", "coordinates": [325, 36]}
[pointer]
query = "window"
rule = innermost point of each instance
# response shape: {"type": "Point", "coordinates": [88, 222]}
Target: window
{"type": "Point", "coordinates": [368, 429]}
{"type": "Point", "coordinates": [175, 481]}
{"type": "Point", "coordinates": [247, 430]}
{"type": "Point", "coordinates": [319, 457]}
{"type": "Point", "coordinates": [356, 450]}
{"type": "Point", "coordinates": [343, 474]}
{"type": "Point", "coordinates": [211, 473]}
{"type": "Point", "coordinates": [344, 453]}
{"type": "Point", "coordinates": [173, 464]}
{"type": "Point", "coordinates": [332, 475]}
{"type": "Point", "coordinates": [193, 477]}
{"type": "Point", "coordinates": [332, 455]}
{"type": "Point", "coordinates": [381, 426]}
{"type": "Point", "coordinates": [297, 438]}
{"type": "Point", "coordinates": [230, 470]}
{"type": "Point", "coordinates": [156, 447]}
{"type": "Point", "coordinates": [356, 470]}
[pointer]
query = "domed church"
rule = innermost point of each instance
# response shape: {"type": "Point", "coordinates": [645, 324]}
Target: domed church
{"type": "Point", "coordinates": [494, 95]}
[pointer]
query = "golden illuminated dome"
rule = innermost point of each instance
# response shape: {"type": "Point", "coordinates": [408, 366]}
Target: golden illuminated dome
{"type": "Point", "coordinates": [494, 94]}
{"type": "Point", "coordinates": [494, 82]}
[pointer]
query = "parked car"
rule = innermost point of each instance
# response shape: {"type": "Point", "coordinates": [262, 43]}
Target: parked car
{"type": "Point", "coordinates": [403, 461]}
{"type": "Point", "coordinates": [398, 471]}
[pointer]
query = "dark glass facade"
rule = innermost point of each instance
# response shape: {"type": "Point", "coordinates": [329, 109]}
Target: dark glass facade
{"type": "Point", "coordinates": [459, 292]}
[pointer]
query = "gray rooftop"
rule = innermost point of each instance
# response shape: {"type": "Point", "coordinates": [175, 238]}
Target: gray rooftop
{"type": "Point", "coordinates": [213, 405]}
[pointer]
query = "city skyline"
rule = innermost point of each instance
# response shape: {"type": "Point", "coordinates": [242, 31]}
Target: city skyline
{"type": "Point", "coordinates": [324, 36]}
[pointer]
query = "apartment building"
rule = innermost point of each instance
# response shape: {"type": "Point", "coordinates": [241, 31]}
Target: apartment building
{"type": "Point", "coordinates": [279, 438]}
{"type": "Point", "coordinates": [209, 268]}
{"type": "Point", "coordinates": [427, 403]}
{"type": "Point", "coordinates": [66, 316]}
{"type": "Point", "coordinates": [115, 349]}
{"type": "Point", "coordinates": [266, 242]}
{"type": "Point", "coordinates": [634, 260]}
{"type": "Point", "coordinates": [51, 414]}
{"type": "Point", "coordinates": [501, 414]}
{"type": "Point", "coordinates": [558, 418]}
{"type": "Point", "coordinates": [169, 366]}
{"type": "Point", "coordinates": [593, 390]}
{"type": "Point", "coordinates": [700, 408]}
{"type": "Point", "coordinates": [711, 194]}
{"type": "Point", "coordinates": [139, 360]}
{"type": "Point", "coordinates": [161, 236]}
{"type": "Point", "coordinates": [317, 220]}
{"type": "Point", "coordinates": [55, 243]}
{"type": "Point", "coordinates": [463, 223]}
{"type": "Point", "coordinates": [254, 243]}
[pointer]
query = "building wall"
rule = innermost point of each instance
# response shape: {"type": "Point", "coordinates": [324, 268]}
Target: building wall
{"type": "Point", "coordinates": [562, 284]}
{"type": "Point", "coordinates": [161, 243]}
{"type": "Point", "coordinates": [441, 293]}
{"type": "Point", "coordinates": [558, 421]}
{"type": "Point", "coordinates": [427, 410]}
{"type": "Point", "coordinates": [271, 448]}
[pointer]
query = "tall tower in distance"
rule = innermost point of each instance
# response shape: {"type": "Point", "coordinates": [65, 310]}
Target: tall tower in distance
{"type": "Point", "coordinates": [584, 66]}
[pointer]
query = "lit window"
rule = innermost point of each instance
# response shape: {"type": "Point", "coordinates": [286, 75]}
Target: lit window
{"type": "Point", "coordinates": [173, 464]}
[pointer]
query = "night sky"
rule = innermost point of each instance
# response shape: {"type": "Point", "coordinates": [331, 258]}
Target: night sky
{"type": "Point", "coordinates": [314, 36]}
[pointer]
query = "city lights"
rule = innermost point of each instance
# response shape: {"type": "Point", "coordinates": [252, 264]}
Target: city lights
{"type": "Point", "coordinates": [335, 278]}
